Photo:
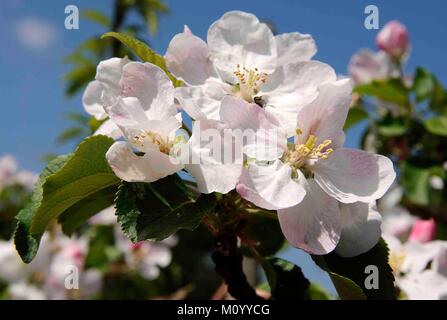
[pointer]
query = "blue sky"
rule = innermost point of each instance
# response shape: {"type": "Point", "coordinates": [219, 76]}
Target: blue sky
{"type": "Point", "coordinates": [33, 42]}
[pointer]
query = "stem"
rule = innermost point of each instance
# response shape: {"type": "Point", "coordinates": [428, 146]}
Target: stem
{"type": "Point", "coordinates": [228, 261]}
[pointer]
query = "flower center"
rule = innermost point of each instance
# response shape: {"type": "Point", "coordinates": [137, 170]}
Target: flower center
{"type": "Point", "coordinates": [142, 140]}
{"type": "Point", "coordinates": [249, 81]}
{"type": "Point", "coordinates": [302, 153]}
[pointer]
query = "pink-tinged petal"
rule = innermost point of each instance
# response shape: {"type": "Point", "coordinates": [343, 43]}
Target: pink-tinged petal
{"type": "Point", "coordinates": [109, 73]}
{"type": "Point", "coordinates": [351, 175]}
{"type": "Point", "coordinates": [423, 231]}
{"type": "Point", "coordinates": [259, 131]}
{"type": "Point", "coordinates": [293, 86]}
{"type": "Point", "coordinates": [187, 58]}
{"type": "Point", "coordinates": [126, 112]}
{"type": "Point", "coordinates": [393, 39]}
{"type": "Point", "coordinates": [110, 129]}
{"type": "Point", "coordinates": [92, 101]}
{"type": "Point", "coordinates": [366, 66]}
{"type": "Point", "coordinates": [186, 29]}
{"type": "Point", "coordinates": [210, 153]}
{"type": "Point", "coordinates": [314, 224]}
{"type": "Point", "coordinates": [203, 102]}
{"type": "Point", "coordinates": [240, 38]}
{"type": "Point", "coordinates": [151, 86]}
{"type": "Point", "coordinates": [325, 116]}
{"type": "Point", "coordinates": [294, 47]}
{"type": "Point", "coordinates": [360, 228]}
{"type": "Point", "coordinates": [151, 167]}
{"type": "Point", "coordinates": [271, 186]}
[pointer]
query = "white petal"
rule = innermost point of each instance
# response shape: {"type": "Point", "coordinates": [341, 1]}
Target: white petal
{"type": "Point", "coordinates": [187, 58]}
{"type": "Point", "coordinates": [110, 129]}
{"type": "Point", "coordinates": [271, 186]}
{"type": "Point", "coordinates": [207, 163]}
{"type": "Point", "coordinates": [294, 47]}
{"type": "Point", "coordinates": [151, 86]}
{"type": "Point", "coordinates": [151, 167]}
{"type": "Point", "coordinates": [258, 131]}
{"type": "Point", "coordinates": [109, 73]}
{"type": "Point", "coordinates": [292, 87]}
{"type": "Point", "coordinates": [326, 115]}
{"type": "Point", "coordinates": [427, 285]}
{"type": "Point", "coordinates": [366, 66]}
{"type": "Point", "coordinates": [92, 101]}
{"type": "Point", "coordinates": [203, 102]}
{"type": "Point", "coordinates": [127, 112]}
{"type": "Point", "coordinates": [351, 175]}
{"type": "Point", "coordinates": [314, 224]}
{"type": "Point", "coordinates": [360, 231]}
{"type": "Point", "coordinates": [239, 38]}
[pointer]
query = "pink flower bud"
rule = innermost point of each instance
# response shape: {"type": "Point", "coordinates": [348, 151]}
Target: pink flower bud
{"type": "Point", "coordinates": [393, 39]}
{"type": "Point", "coordinates": [423, 231]}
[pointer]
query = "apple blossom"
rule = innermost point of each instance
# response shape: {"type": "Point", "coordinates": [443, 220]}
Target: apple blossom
{"type": "Point", "coordinates": [420, 268]}
{"type": "Point", "coordinates": [147, 117]}
{"type": "Point", "coordinates": [9, 174]}
{"type": "Point", "coordinates": [254, 65]}
{"type": "Point", "coordinates": [366, 66]}
{"type": "Point", "coordinates": [393, 39]}
{"type": "Point", "coordinates": [146, 257]}
{"type": "Point", "coordinates": [311, 177]}
{"type": "Point", "coordinates": [71, 253]}
{"type": "Point", "coordinates": [108, 75]}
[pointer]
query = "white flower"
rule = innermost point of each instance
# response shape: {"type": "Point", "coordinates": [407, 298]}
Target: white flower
{"type": "Point", "coordinates": [9, 174]}
{"type": "Point", "coordinates": [308, 181]}
{"type": "Point", "coordinates": [420, 268]}
{"type": "Point", "coordinates": [366, 66]}
{"type": "Point", "coordinates": [25, 291]}
{"type": "Point", "coordinates": [146, 257]}
{"type": "Point", "coordinates": [71, 254]}
{"type": "Point", "coordinates": [148, 119]}
{"type": "Point", "coordinates": [108, 75]}
{"type": "Point", "coordinates": [253, 65]}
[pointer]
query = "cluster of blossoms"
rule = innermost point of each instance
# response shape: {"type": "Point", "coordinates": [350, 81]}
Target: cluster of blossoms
{"type": "Point", "coordinates": [60, 272]}
{"type": "Point", "coordinates": [394, 46]}
{"type": "Point", "coordinates": [11, 175]}
{"type": "Point", "coordinates": [295, 108]}
{"type": "Point", "coordinates": [419, 261]}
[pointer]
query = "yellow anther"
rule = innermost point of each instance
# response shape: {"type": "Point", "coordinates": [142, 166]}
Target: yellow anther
{"type": "Point", "coordinates": [298, 131]}
{"type": "Point", "coordinates": [163, 144]}
{"type": "Point", "coordinates": [249, 81]}
{"type": "Point", "coordinates": [308, 151]}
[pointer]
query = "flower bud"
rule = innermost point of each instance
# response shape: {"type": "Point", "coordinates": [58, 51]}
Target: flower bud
{"type": "Point", "coordinates": [423, 231]}
{"type": "Point", "coordinates": [393, 39]}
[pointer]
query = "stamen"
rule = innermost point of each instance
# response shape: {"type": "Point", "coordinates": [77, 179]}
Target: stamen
{"type": "Point", "coordinates": [148, 136]}
{"type": "Point", "coordinates": [304, 152]}
{"type": "Point", "coordinates": [249, 81]}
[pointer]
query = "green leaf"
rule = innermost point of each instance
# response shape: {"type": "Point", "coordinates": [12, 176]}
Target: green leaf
{"type": "Point", "coordinates": [64, 183]}
{"type": "Point", "coordinates": [317, 292]}
{"type": "Point", "coordinates": [157, 210]}
{"type": "Point", "coordinates": [416, 183]}
{"type": "Point", "coordinates": [290, 282]}
{"type": "Point", "coordinates": [356, 114]}
{"type": "Point", "coordinates": [437, 125]}
{"type": "Point", "coordinates": [424, 84]}
{"type": "Point", "coordinates": [392, 90]}
{"type": "Point", "coordinates": [353, 269]}
{"type": "Point", "coordinates": [143, 52]}
{"type": "Point", "coordinates": [346, 288]}
{"type": "Point", "coordinates": [98, 17]}
{"type": "Point", "coordinates": [26, 243]}
{"type": "Point", "coordinates": [69, 134]}
{"type": "Point", "coordinates": [391, 126]}
{"type": "Point", "coordinates": [78, 214]}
